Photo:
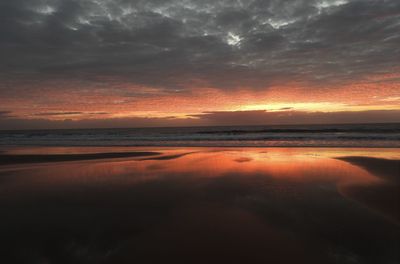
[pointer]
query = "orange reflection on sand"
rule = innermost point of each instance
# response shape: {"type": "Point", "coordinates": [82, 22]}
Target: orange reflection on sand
{"type": "Point", "coordinates": [278, 163]}
{"type": "Point", "coordinates": [297, 165]}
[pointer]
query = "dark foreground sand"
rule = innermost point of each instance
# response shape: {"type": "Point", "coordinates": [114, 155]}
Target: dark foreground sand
{"type": "Point", "coordinates": [384, 196]}
{"type": "Point", "coordinates": [203, 206]}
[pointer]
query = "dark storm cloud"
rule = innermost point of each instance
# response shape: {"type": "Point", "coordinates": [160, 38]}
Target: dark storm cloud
{"type": "Point", "coordinates": [172, 44]}
{"type": "Point", "coordinates": [45, 114]}
{"type": "Point", "coordinates": [261, 117]}
{"type": "Point", "coordinates": [57, 113]}
{"type": "Point", "coordinates": [42, 123]}
{"type": "Point", "coordinates": [99, 113]}
{"type": "Point", "coordinates": [5, 114]}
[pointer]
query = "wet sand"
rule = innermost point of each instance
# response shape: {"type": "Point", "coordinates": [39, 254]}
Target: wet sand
{"type": "Point", "coordinates": [7, 159]}
{"type": "Point", "coordinates": [203, 205]}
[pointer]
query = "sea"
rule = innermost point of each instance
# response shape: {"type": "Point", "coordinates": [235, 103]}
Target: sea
{"type": "Point", "coordinates": [342, 135]}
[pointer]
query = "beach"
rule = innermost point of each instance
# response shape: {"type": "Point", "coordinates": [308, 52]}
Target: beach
{"type": "Point", "coordinates": [199, 205]}
{"type": "Point", "coordinates": [200, 132]}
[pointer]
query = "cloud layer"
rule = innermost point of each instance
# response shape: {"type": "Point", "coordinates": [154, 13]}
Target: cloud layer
{"type": "Point", "coordinates": [174, 44]}
{"type": "Point", "coordinates": [211, 119]}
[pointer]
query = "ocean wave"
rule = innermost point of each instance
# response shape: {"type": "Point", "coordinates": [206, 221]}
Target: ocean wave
{"type": "Point", "coordinates": [322, 135]}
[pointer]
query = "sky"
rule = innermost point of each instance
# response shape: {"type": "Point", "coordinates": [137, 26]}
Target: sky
{"type": "Point", "coordinates": [135, 63]}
